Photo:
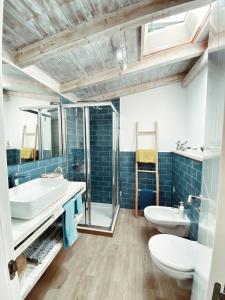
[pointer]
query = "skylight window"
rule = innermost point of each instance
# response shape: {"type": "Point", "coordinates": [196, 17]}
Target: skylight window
{"type": "Point", "coordinates": [166, 22]}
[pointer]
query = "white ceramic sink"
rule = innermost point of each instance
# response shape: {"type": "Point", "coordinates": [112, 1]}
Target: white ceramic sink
{"type": "Point", "coordinates": [168, 220]}
{"type": "Point", "coordinates": [29, 199]}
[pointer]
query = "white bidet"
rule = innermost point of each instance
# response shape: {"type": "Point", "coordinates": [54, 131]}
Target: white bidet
{"type": "Point", "coordinates": [168, 220]}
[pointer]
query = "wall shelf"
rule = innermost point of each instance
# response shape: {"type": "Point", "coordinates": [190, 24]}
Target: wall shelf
{"type": "Point", "coordinates": [34, 272]}
{"type": "Point", "coordinates": [190, 154]}
{"type": "Point", "coordinates": [25, 232]}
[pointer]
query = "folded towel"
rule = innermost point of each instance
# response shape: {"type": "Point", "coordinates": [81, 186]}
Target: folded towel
{"type": "Point", "coordinates": [40, 248]}
{"type": "Point", "coordinates": [69, 225]}
{"type": "Point", "coordinates": [146, 156]}
{"type": "Point", "coordinates": [78, 204]}
{"type": "Point", "coordinates": [146, 198]}
{"type": "Point", "coordinates": [27, 153]}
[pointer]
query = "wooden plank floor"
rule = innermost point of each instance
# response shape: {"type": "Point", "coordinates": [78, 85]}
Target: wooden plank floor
{"type": "Point", "coordinates": [104, 268]}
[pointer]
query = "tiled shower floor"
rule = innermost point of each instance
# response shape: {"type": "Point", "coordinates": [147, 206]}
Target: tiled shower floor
{"type": "Point", "coordinates": [101, 214]}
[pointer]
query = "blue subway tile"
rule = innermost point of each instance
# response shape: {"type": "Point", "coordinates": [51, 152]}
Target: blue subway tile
{"type": "Point", "coordinates": [28, 166]}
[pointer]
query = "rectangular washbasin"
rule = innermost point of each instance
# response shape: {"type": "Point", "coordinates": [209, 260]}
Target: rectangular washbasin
{"type": "Point", "coordinates": [29, 199]}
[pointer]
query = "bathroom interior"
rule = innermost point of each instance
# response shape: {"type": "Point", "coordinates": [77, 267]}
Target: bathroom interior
{"type": "Point", "coordinates": [112, 150]}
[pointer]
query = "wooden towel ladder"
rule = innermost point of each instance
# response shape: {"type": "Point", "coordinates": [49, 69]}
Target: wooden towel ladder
{"type": "Point", "coordinates": [137, 170]}
{"type": "Point", "coordinates": [27, 134]}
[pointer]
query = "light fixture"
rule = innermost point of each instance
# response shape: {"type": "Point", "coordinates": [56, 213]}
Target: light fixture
{"type": "Point", "coordinates": [121, 57]}
{"type": "Point", "coordinates": [119, 54]}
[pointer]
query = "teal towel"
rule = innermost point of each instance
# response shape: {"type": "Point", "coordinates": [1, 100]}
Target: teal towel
{"type": "Point", "coordinates": [78, 204]}
{"type": "Point", "coordinates": [69, 225]}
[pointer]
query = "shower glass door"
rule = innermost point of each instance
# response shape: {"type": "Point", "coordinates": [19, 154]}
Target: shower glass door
{"type": "Point", "coordinates": [115, 161]}
{"type": "Point", "coordinates": [91, 146]}
{"type": "Point", "coordinates": [101, 152]}
{"type": "Point", "coordinates": [75, 149]}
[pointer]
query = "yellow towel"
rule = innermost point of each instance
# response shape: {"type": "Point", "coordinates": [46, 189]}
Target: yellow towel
{"type": "Point", "coordinates": [146, 156]}
{"type": "Point", "coordinates": [27, 153]}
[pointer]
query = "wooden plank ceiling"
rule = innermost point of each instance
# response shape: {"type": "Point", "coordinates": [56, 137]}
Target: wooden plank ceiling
{"type": "Point", "coordinates": [96, 91]}
{"type": "Point", "coordinates": [92, 58]}
{"type": "Point", "coordinates": [72, 40]}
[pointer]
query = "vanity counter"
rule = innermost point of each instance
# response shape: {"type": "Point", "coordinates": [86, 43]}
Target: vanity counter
{"type": "Point", "coordinates": [26, 231]}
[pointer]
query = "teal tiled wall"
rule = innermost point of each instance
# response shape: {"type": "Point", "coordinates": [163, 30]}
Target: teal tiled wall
{"type": "Point", "coordinates": [146, 180]}
{"type": "Point", "coordinates": [101, 152]}
{"type": "Point", "coordinates": [35, 169]}
{"type": "Point", "coordinates": [187, 176]}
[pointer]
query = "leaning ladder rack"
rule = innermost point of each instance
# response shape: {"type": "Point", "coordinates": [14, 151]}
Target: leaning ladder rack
{"type": "Point", "coordinates": [137, 170]}
{"type": "Point", "coordinates": [26, 134]}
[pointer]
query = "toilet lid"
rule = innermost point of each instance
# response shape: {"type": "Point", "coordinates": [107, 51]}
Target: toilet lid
{"type": "Point", "coordinates": [174, 252]}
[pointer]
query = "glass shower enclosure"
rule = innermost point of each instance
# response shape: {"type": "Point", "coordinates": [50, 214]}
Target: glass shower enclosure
{"type": "Point", "coordinates": [91, 145]}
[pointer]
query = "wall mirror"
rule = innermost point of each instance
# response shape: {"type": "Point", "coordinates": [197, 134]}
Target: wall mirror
{"type": "Point", "coordinates": [32, 118]}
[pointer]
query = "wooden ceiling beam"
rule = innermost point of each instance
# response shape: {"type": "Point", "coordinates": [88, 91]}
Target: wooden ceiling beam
{"type": "Point", "coordinates": [37, 74]}
{"type": "Point", "coordinates": [153, 61]}
{"type": "Point", "coordinates": [131, 16]}
{"type": "Point", "coordinates": [196, 69]}
{"type": "Point", "coordinates": [139, 88]}
{"type": "Point", "coordinates": [33, 95]}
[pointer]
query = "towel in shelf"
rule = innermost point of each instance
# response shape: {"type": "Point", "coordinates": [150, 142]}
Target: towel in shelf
{"type": "Point", "coordinates": [27, 153]}
{"type": "Point", "coordinates": [40, 248]}
{"type": "Point", "coordinates": [146, 156]}
{"type": "Point", "coordinates": [78, 204]}
{"type": "Point", "coordinates": [69, 224]}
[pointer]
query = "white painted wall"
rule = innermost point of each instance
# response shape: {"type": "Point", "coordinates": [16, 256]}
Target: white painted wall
{"type": "Point", "coordinates": [196, 108]}
{"type": "Point", "coordinates": [15, 119]}
{"type": "Point", "coordinates": [166, 105]}
{"type": "Point", "coordinates": [180, 112]}
{"type": "Point", "coordinates": [209, 265]}
{"type": "Point", "coordinates": [46, 132]}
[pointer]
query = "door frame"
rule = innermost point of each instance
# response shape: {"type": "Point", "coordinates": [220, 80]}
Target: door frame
{"type": "Point", "coordinates": [9, 289]}
{"type": "Point", "coordinates": [217, 273]}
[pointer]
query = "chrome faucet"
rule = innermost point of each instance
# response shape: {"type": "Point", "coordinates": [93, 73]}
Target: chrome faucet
{"type": "Point", "coordinates": [178, 145]}
{"type": "Point", "coordinates": [184, 146]}
{"type": "Point", "coordinates": [58, 170]}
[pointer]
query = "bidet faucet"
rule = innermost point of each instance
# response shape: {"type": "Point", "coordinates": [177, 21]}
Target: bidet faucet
{"type": "Point", "coordinates": [200, 197]}
{"type": "Point", "coordinates": [178, 145]}
{"type": "Point", "coordinates": [184, 146]}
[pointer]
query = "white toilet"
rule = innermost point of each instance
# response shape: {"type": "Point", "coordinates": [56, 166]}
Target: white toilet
{"type": "Point", "coordinates": [168, 220]}
{"type": "Point", "coordinates": [175, 256]}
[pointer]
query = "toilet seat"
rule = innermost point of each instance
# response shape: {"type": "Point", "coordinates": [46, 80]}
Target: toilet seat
{"type": "Point", "coordinates": [178, 275]}
{"type": "Point", "coordinates": [173, 252]}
